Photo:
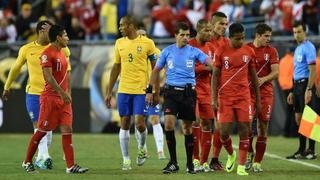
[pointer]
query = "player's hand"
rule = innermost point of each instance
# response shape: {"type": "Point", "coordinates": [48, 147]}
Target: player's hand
{"type": "Point", "coordinates": [261, 81]}
{"type": "Point", "coordinates": [149, 99]}
{"type": "Point", "coordinates": [290, 98]}
{"type": "Point", "coordinates": [5, 95]}
{"type": "Point", "coordinates": [108, 100]}
{"type": "Point", "coordinates": [307, 96]}
{"type": "Point", "coordinates": [66, 97]}
{"type": "Point", "coordinates": [156, 98]}
{"type": "Point", "coordinates": [215, 104]}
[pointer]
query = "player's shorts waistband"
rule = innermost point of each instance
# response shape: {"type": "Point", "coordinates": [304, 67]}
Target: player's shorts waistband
{"type": "Point", "coordinates": [300, 80]}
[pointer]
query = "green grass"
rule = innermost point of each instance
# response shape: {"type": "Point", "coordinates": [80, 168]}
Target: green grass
{"type": "Point", "coordinates": [101, 153]}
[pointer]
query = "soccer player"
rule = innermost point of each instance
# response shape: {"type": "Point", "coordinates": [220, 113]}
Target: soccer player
{"type": "Point", "coordinates": [219, 22]}
{"type": "Point", "coordinates": [204, 109]}
{"type": "Point", "coordinates": [233, 63]}
{"type": "Point", "coordinates": [180, 94]}
{"type": "Point", "coordinates": [267, 70]}
{"type": "Point", "coordinates": [55, 101]}
{"type": "Point", "coordinates": [153, 116]}
{"type": "Point", "coordinates": [30, 54]}
{"type": "Point", "coordinates": [303, 86]}
{"type": "Point", "coordinates": [132, 52]}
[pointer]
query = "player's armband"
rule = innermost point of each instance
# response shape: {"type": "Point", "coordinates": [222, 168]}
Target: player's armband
{"type": "Point", "coordinates": [152, 57]}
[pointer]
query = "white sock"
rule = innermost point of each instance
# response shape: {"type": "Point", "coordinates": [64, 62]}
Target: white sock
{"type": "Point", "coordinates": [42, 148]}
{"type": "Point", "coordinates": [49, 138]}
{"type": "Point", "coordinates": [158, 136]}
{"type": "Point", "coordinates": [137, 135]}
{"type": "Point", "coordinates": [124, 137]}
{"type": "Point", "coordinates": [143, 138]}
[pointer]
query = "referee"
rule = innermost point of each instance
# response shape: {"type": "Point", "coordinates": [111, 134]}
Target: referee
{"type": "Point", "coordinates": [180, 94]}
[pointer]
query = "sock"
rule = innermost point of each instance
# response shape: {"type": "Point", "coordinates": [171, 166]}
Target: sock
{"type": "Point", "coordinates": [171, 143]}
{"type": "Point", "coordinates": [137, 135]}
{"type": "Point", "coordinates": [260, 148]}
{"type": "Point", "coordinates": [243, 150]}
{"type": "Point", "coordinates": [250, 140]}
{"type": "Point", "coordinates": [217, 145]}
{"type": "Point", "coordinates": [49, 138]}
{"type": "Point", "coordinates": [124, 137]}
{"type": "Point", "coordinates": [302, 143]}
{"type": "Point", "coordinates": [196, 132]}
{"type": "Point", "coordinates": [68, 149]}
{"type": "Point", "coordinates": [33, 145]}
{"type": "Point", "coordinates": [311, 145]}
{"type": "Point", "coordinates": [43, 148]}
{"type": "Point", "coordinates": [228, 145]}
{"type": "Point", "coordinates": [143, 138]}
{"type": "Point", "coordinates": [206, 137]}
{"type": "Point", "coordinates": [189, 143]}
{"type": "Point", "coordinates": [158, 136]}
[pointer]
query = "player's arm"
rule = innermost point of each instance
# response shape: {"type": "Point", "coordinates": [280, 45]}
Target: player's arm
{"type": "Point", "coordinates": [48, 77]}
{"type": "Point", "coordinates": [67, 54]}
{"type": "Point", "coordinates": [115, 71]}
{"type": "Point", "coordinates": [255, 83]}
{"type": "Point", "coordinates": [271, 76]}
{"type": "Point", "coordinates": [215, 80]}
{"type": "Point", "coordinates": [311, 57]}
{"type": "Point", "coordinates": [13, 73]}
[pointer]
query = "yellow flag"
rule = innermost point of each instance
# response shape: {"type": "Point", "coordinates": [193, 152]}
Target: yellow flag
{"type": "Point", "coordinates": [310, 124]}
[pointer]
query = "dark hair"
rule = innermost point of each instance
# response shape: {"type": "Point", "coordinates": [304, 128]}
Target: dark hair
{"type": "Point", "coordinates": [55, 31]}
{"type": "Point", "coordinates": [235, 28]}
{"type": "Point", "coordinates": [181, 25]}
{"type": "Point", "coordinates": [131, 20]}
{"type": "Point", "coordinates": [219, 14]}
{"type": "Point", "coordinates": [41, 23]}
{"type": "Point", "coordinates": [300, 23]}
{"type": "Point", "coordinates": [262, 28]}
{"type": "Point", "coordinates": [201, 23]}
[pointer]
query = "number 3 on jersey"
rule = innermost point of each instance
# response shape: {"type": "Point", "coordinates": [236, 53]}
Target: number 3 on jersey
{"type": "Point", "coordinates": [130, 57]}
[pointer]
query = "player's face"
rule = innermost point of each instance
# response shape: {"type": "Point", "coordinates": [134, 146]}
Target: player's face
{"type": "Point", "coordinates": [124, 27]}
{"type": "Point", "coordinates": [299, 33]}
{"type": "Point", "coordinates": [237, 40]}
{"type": "Point", "coordinates": [220, 26]}
{"type": "Point", "coordinates": [265, 38]}
{"type": "Point", "coordinates": [205, 33]}
{"type": "Point", "coordinates": [182, 37]}
{"type": "Point", "coordinates": [64, 39]}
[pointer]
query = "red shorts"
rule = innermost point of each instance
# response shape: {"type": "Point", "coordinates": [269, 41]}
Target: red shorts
{"type": "Point", "coordinates": [266, 108]}
{"type": "Point", "coordinates": [233, 110]}
{"type": "Point", "coordinates": [54, 112]}
{"type": "Point", "coordinates": [204, 111]}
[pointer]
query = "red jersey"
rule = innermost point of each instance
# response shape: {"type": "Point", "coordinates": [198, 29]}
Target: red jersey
{"type": "Point", "coordinates": [203, 76]}
{"type": "Point", "coordinates": [234, 65]}
{"type": "Point", "coordinates": [52, 57]}
{"type": "Point", "coordinates": [317, 80]}
{"type": "Point", "coordinates": [219, 42]}
{"type": "Point", "coordinates": [265, 57]}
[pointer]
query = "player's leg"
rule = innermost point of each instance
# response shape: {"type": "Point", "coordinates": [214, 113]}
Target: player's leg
{"type": "Point", "coordinates": [196, 133]}
{"type": "Point", "coordinates": [215, 164]}
{"type": "Point", "coordinates": [250, 154]}
{"type": "Point", "coordinates": [157, 130]}
{"type": "Point", "coordinates": [124, 103]}
{"type": "Point", "coordinates": [43, 160]}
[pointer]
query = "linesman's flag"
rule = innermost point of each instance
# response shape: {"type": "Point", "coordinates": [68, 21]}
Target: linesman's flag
{"type": "Point", "coordinates": [310, 124]}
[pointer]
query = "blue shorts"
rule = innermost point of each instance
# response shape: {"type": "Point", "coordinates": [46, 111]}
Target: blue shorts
{"type": "Point", "coordinates": [153, 110]}
{"type": "Point", "coordinates": [33, 106]}
{"type": "Point", "coordinates": [131, 104]}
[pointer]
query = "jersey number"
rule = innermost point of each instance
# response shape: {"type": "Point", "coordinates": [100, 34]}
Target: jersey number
{"type": "Point", "coordinates": [226, 64]}
{"type": "Point", "coordinates": [130, 56]}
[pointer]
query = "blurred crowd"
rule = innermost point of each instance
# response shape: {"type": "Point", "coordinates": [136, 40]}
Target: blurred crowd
{"type": "Point", "coordinates": [94, 20]}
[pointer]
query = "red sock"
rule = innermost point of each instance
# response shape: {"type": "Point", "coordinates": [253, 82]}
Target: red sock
{"type": "Point", "coordinates": [260, 148]}
{"type": "Point", "coordinates": [217, 145]}
{"type": "Point", "coordinates": [68, 149]}
{"type": "Point", "coordinates": [228, 145]}
{"type": "Point", "coordinates": [33, 145]}
{"type": "Point", "coordinates": [206, 137]}
{"type": "Point", "coordinates": [243, 150]}
{"type": "Point", "coordinates": [196, 132]}
{"type": "Point", "coordinates": [250, 141]}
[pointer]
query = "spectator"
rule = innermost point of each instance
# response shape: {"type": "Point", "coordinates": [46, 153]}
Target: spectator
{"type": "Point", "coordinates": [271, 13]}
{"type": "Point", "coordinates": [298, 9]}
{"type": "Point", "coordinates": [108, 20]}
{"type": "Point", "coordinates": [286, 6]}
{"type": "Point", "coordinates": [197, 12]}
{"type": "Point", "coordinates": [213, 7]}
{"type": "Point", "coordinates": [8, 31]}
{"type": "Point", "coordinates": [310, 16]}
{"type": "Point", "coordinates": [24, 21]}
{"type": "Point", "coordinates": [76, 33]}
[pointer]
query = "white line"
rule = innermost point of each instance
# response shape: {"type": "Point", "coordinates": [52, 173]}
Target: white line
{"type": "Point", "coordinates": [284, 159]}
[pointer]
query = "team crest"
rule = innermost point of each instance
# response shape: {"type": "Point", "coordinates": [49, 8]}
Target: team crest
{"type": "Point", "coordinates": [44, 58]}
{"type": "Point", "coordinates": [266, 57]}
{"type": "Point", "coordinates": [139, 49]}
{"type": "Point", "coordinates": [245, 58]}
{"type": "Point", "coordinates": [226, 58]}
{"type": "Point", "coordinates": [170, 64]}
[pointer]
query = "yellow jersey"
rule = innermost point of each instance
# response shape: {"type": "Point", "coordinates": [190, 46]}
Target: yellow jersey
{"type": "Point", "coordinates": [30, 54]}
{"type": "Point", "coordinates": [133, 55]}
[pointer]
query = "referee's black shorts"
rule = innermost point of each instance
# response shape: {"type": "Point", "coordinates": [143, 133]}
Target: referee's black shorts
{"type": "Point", "coordinates": [180, 103]}
{"type": "Point", "coordinates": [299, 89]}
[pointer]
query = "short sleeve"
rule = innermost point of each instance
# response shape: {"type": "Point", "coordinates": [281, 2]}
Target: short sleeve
{"type": "Point", "coordinates": [217, 62]}
{"type": "Point", "coordinates": [46, 59]}
{"type": "Point", "coordinates": [162, 59]}
{"type": "Point", "coordinates": [21, 59]}
{"type": "Point", "coordinates": [252, 63]}
{"type": "Point", "coordinates": [152, 53]}
{"type": "Point", "coordinates": [200, 56]}
{"type": "Point", "coordinates": [311, 54]}
{"type": "Point", "coordinates": [274, 56]}
{"type": "Point", "coordinates": [117, 58]}
{"type": "Point", "coordinates": [67, 53]}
